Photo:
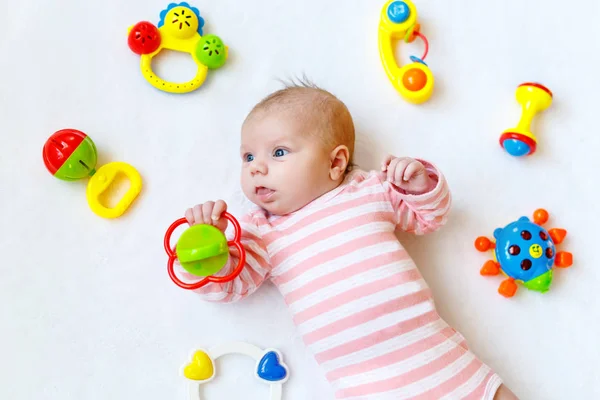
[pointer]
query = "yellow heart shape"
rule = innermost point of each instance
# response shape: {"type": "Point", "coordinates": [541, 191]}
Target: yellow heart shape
{"type": "Point", "coordinates": [201, 368]}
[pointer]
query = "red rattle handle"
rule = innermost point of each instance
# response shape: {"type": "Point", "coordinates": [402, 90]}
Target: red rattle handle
{"type": "Point", "coordinates": [419, 34]}
{"type": "Point", "coordinates": [196, 285]}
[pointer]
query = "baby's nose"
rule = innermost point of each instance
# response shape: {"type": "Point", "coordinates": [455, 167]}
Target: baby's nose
{"type": "Point", "coordinates": [259, 167]}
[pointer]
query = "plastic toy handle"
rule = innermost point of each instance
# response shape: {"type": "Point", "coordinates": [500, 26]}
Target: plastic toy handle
{"type": "Point", "coordinates": [196, 285]}
{"type": "Point", "coordinates": [426, 44]}
{"type": "Point", "coordinates": [172, 87]}
{"type": "Point", "coordinates": [167, 243]}
{"type": "Point", "coordinates": [102, 180]}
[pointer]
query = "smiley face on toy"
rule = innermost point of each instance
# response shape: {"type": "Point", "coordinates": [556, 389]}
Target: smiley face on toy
{"type": "Point", "coordinates": [202, 250]}
{"type": "Point", "coordinates": [535, 251]}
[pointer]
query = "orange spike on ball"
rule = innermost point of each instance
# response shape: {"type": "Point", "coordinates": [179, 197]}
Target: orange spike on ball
{"type": "Point", "coordinates": [557, 235]}
{"type": "Point", "coordinates": [564, 259]}
{"type": "Point", "coordinates": [540, 216]}
{"type": "Point", "coordinates": [490, 268]}
{"type": "Point", "coordinates": [508, 288]}
{"type": "Point", "coordinates": [483, 244]}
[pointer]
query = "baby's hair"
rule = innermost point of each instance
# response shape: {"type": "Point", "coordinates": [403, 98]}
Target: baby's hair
{"type": "Point", "coordinates": [334, 121]}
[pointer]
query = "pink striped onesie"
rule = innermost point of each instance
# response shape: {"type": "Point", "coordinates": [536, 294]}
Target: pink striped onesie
{"type": "Point", "coordinates": [357, 297]}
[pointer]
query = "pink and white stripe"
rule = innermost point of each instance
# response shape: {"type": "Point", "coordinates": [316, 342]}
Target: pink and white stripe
{"type": "Point", "coordinates": [357, 297]}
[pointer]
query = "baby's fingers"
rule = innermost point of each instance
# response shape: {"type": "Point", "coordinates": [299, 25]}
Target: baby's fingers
{"type": "Point", "coordinates": [396, 174]}
{"type": "Point", "coordinates": [218, 210]}
{"type": "Point", "coordinates": [207, 212]}
{"type": "Point", "coordinates": [218, 220]}
{"type": "Point", "coordinates": [197, 212]}
{"type": "Point", "coordinates": [386, 162]}
{"type": "Point", "coordinates": [399, 173]}
{"type": "Point", "coordinates": [391, 169]}
{"type": "Point", "coordinates": [189, 216]}
{"type": "Point", "coordinates": [413, 169]}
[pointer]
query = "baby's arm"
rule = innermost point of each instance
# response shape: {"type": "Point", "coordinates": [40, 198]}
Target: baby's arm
{"type": "Point", "coordinates": [418, 192]}
{"type": "Point", "coordinates": [257, 267]}
{"type": "Point", "coordinates": [505, 393]}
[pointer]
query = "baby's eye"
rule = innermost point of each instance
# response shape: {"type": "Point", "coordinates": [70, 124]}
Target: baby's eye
{"type": "Point", "coordinates": [280, 152]}
{"type": "Point", "coordinates": [248, 157]}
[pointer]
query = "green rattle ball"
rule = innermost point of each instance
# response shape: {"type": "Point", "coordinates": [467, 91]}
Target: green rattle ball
{"type": "Point", "coordinates": [202, 250]}
{"type": "Point", "coordinates": [211, 51]}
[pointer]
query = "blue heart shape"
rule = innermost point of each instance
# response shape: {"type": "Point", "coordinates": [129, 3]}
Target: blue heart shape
{"type": "Point", "coordinates": [270, 368]}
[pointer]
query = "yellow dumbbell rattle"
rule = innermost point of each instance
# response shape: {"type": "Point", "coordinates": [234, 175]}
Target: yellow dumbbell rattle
{"type": "Point", "coordinates": [534, 98]}
{"type": "Point", "coordinates": [179, 29]}
{"type": "Point", "coordinates": [413, 81]}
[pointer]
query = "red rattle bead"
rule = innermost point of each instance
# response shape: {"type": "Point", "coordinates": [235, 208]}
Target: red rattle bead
{"type": "Point", "coordinates": [203, 250]}
{"type": "Point", "coordinates": [70, 155]}
{"type": "Point", "coordinates": [144, 38]}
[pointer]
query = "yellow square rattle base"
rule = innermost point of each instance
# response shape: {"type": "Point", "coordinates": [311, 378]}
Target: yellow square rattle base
{"type": "Point", "coordinates": [179, 29]}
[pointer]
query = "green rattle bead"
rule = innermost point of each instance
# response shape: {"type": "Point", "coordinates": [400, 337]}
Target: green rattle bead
{"type": "Point", "coordinates": [202, 250]}
{"type": "Point", "coordinates": [211, 51]}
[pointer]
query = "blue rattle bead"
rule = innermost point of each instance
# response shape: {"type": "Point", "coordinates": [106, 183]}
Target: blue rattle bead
{"type": "Point", "coordinates": [398, 12]}
{"type": "Point", "coordinates": [516, 148]}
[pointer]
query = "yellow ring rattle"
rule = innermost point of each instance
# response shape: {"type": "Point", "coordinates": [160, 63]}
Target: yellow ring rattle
{"type": "Point", "coordinates": [269, 367]}
{"type": "Point", "coordinates": [398, 21]}
{"type": "Point", "coordinates": [179, 29]}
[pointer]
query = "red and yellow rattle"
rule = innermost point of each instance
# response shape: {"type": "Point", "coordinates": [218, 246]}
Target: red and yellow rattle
{"type": "Point", "coordinates": [203, 250]}
{"type": "Point", "coordinates": [533, 98]}
{"type": "Point", "coordinates": [398, 21]}
{"type": "Point", "coordinates": [179, 29]}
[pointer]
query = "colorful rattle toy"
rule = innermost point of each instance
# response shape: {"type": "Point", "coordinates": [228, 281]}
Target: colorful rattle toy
{"type": "Point", "coordinates": [179, 29]}
{"type": "Point", "coordinates": [399, 21]}
{"type": "Point", "coordinates": [71, 155]}
{"type": "Point", "coordinates": [525, 252]}
{"type": "Point", "coordinates": [269, 367]}
{"type": "Point", "coordinates": [203, 250]}
{"type": "Point", "coordinates": [533, 98]}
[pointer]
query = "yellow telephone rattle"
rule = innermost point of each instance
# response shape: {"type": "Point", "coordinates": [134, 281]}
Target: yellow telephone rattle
{"type": "Point", "coordinates": [414, 81]}
{"type": "Point", "coordinates": [179, 29]}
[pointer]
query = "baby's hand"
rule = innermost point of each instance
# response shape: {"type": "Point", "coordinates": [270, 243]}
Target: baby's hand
{"type": "Point", "coordinates": [208, 213]}
{"type": "Point", "coordinates": [408, 174]}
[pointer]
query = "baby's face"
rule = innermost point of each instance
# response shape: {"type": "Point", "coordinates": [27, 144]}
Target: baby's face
{"type": "Point", "coordinates": [284, 167]}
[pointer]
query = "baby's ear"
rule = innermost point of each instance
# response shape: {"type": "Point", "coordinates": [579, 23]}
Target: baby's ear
{"type": "Point", "coordinates": [340, 157]}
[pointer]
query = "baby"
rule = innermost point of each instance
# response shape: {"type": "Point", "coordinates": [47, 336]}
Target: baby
{"type": "Point", "coordinates": [323, 233]}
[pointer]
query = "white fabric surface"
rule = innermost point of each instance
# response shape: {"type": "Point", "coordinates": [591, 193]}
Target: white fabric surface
{"type": "Point", "coordinates": [87, 309]}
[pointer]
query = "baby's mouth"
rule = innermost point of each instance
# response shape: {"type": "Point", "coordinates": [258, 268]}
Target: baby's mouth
{"type": "Point", "coordinates": [263, 193]}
